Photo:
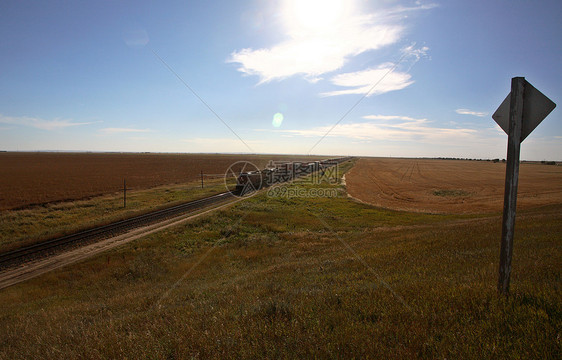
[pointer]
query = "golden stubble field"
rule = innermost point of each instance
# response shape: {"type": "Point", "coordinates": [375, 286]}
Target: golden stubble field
{"type": "Point", "coordinates": [449, 186]}
{"type": "Point", "coordinates": [39, 178]}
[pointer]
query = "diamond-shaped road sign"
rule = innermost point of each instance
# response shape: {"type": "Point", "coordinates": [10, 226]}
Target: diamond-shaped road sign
{"type": "Point", "coordinates": [530, 107]}
{"type": "Point", "coordinates": [536, 106]}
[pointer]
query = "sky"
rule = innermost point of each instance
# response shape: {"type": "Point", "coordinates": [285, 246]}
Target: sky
{"type": "Point", "coordinates": [333, 77]}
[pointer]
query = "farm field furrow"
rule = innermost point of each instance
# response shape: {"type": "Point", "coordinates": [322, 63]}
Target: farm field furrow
{"type": "Point", "coordinates": [449, 186]}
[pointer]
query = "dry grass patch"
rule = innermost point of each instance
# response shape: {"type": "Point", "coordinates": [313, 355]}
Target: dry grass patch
{"type": "Point", "coordinates": [75, 191]}
{"type": "Point", "coordinates": [238, 284]}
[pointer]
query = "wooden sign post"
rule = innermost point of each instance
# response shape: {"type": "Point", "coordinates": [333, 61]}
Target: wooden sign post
{"type": "Point", "coordinates": [523, 109]}
{"type": "Point", "coordinates": [511, 181]}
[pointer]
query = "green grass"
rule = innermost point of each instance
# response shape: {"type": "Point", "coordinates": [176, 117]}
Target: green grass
{"type": "Point", "coordinates": [275, 278]}
{"type": "Point", "coordinates": [37, 223]}
{"type": "Point", "coordinates": [451, 193]}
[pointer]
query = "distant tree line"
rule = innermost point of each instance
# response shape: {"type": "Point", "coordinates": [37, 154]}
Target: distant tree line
{"type": "Point", "coordinates": [544, 162]}
{"type": "Point", "coordinates": [468, 159]}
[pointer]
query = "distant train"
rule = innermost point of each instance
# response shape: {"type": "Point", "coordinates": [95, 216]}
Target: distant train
{"type": "Point", "coordinates": [251, 181]}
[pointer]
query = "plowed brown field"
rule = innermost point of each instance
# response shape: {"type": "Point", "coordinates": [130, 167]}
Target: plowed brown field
{"type": "Point", "coordinates": [449, 186]}
{"type": "Point", "coordinates": [38, 178]}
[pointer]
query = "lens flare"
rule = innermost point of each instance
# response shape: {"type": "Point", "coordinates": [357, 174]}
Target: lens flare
{"type": "Point", "coordinates": [277, 120]}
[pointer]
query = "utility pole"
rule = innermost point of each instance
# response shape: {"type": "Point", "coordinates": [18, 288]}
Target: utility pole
{"type": "Point", "coordinates": [124, 193]}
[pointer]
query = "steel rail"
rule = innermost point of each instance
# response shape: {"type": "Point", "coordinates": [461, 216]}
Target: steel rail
{"type": "Point", "coordinates": [10, 258]}
{"type": "Point", "coordinates": [115, 228]}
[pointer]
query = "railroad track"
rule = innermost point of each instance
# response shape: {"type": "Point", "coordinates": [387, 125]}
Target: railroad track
{"type": "Point", "coordinates": [23, 254]}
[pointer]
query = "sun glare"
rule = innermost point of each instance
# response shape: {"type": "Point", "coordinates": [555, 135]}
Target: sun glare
{"type": "Point", "coordinates": [316, 16]}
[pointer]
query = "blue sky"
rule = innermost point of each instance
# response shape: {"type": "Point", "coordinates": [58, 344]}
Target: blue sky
{"type": "Point", "coordinates": [421, 78]}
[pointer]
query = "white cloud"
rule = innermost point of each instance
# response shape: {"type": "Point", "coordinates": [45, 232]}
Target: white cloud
{"type": "Point", "coordinates": [403, 129]}
{"type": "Point", "coordinates": [314, 56]}
{"type": "Point", "coordinates": [320, 40]}
{"type": "Point", "coordinates": [419, 6]}
{"type": "Point", "coordinates": [470, 112]}
{"type": "Point", "coordinates": [123, 130]}
{"type": "Point", "coordinates": [388, 117]}
{"type": "Point", "coordinates": [417, 52]}
{"type": "Point", "coordinates": [39, 123]}
{"type": "Point", "coordinates": [382, 79]}
{"type": "Point", "coordinates": [371, 81]}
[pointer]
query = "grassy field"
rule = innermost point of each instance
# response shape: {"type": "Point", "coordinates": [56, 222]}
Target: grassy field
{"type": "Point", "coordinates": [450, 186]}
{"type": "Point", "coordinates": [302, 277]}
{"type": "Point", "coordinates": [37, 223]}
{"type": "Point", "coordinates": [52, 177]}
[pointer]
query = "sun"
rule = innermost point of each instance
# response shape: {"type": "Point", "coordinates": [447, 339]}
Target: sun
{"type": "Point", "coordinates": [316, 16]}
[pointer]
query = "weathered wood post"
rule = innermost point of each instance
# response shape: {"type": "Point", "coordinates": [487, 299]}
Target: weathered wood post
{"type": "Point", "coordinates": [518, 115]}
{"type": "Point", "coordinates": [201, 179]}
{"type": "Point", "coordinates": [511, 181]}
